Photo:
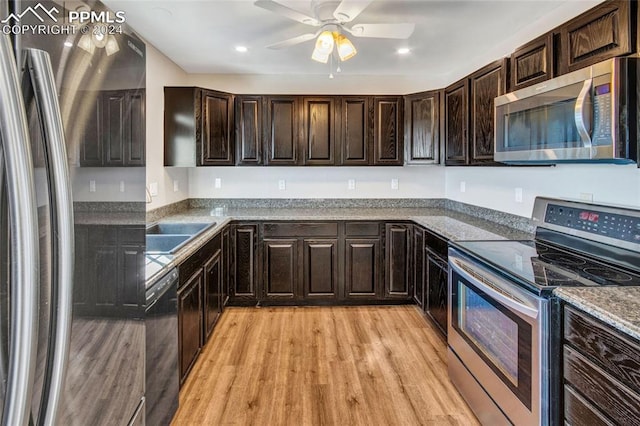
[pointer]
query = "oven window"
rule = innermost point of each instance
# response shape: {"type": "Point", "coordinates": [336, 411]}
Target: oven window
{"type": "Point", "coordinates": [494, 333]}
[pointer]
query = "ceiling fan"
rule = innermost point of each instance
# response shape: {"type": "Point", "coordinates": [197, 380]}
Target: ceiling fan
{"type": "Point", "coordinates": [333, 18]}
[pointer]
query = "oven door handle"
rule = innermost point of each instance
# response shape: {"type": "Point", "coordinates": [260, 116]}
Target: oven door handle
{"type": "Point", "coordinates": [579, 114]}
{"type": "Point", "coordinates": [494, 286]}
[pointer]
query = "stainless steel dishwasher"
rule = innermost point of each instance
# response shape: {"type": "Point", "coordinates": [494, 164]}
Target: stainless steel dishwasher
{"type": "Point", "coordinates": [161, 371]}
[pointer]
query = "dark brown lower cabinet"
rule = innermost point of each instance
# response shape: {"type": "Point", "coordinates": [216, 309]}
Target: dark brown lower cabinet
{"type": "Point", "coordinates": [212, 292]}
{"type": "Point", "coordinates": [280, 276]}
{"type": "Point", "coordinates": [243, 277]}
{"type": "Point", "coordinates": [418, 265]}
{"type": "Point", "coordinates": [436, 302]}
{"type": "Point", "coordinates": [397, 261]}
{"type": "Point", "coordinates": [320, 269]}
{"type": "Point", "coordinates": [190, 322]}
{"type": "Point", "coordinates": [226, 264]}
{"type": "Point", "coordinates": [362, 268]}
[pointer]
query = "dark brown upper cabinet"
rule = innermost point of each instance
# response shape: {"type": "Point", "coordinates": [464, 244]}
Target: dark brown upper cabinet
{"type": "Point", "coordinates": [354, 134]}
{"type": "Point", "coordinates": [601, 33]}
{"type": "Point", "coordinates": [198, 127]}
{"type": "Point", "coordinates": [249, 133]}
{"type": "Point", "coordinates": [456, 117]}
{"type": "Point", "coordinates": [387, 130]}
{"type": "Point", "coordinates": [283, 131]}
{"type": "Point", "coordinates": [422, 128]}
{"type": "Point", "coordinates": [486, 84]}
{"type": "Point", "coordinates": [318, 115]}
{"type": "Point", "coordinates": [532, 63]}
{"type": "Point", "coordinates": [91, 143]}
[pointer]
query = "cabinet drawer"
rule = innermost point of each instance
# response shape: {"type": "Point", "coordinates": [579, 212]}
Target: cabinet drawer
{"type": "Point", "coordinates": [613, 352]}
{"type": "Point", "coordinates": [313, 229]}
{"type": "Point", "coordinates": [362, 229]}
{"type": "Point", "coordinates": [187, 268]}
{"type": "Point", "coordinates": [436, 244]}
{"type": "Point", "coordinates": [579, 411]}
{"type": "Point", "coordinates": [613, 398]}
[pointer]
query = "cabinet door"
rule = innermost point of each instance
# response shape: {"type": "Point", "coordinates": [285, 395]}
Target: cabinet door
{"type": "Point", "coordinates": [421, 114]}
{"type": "Point", "coordinates": [102, 264]}
{"type": "Point", "coordinates": [91, 136]}
{"type": "Point", "coordinates": [437, 295]}
{"type": "Point", "coordinates": [601, 33]}
{"type": "Point", "coordinates": [418, 265]}
{"type": "Point", "coordinates": [486, 84]}
{"type": "Point", "coordinates": [397, 255]}
{"type": "Point", "coordinates": [249, 130]}
{"type": "Point", "coordinates": [216, 144]}
{"type": "Point", "coordinates": [226, 265]}
{"type": "Point", "coordinates": [456, 100]}
{"type": "Point", "coordinates": [212, 292]}
{"type": "Point", "coordinates": [280, 268]}
{"type": "Point", "coordinates": [532, 63]}
{"type": "Point", "coordinates": [319, 131]}
{"type": "Point", "coordinates": [354, 140]}
{"type": "Point", "coordinates": [116, 134]}
{"type": "Point", "coordinates": [131, 278]}
{"type": "Point", "coordinates": [362, 268]}
{"type": "Point", "coordinates": [244, 260]}
{"type": "Point", "coordinates": [136, 125]}
{"type": "Point", "coordinates": [320, 269]}
{"type": "Point", "coordinates": [190, 323]}
{"type": "Point", "coordinates": [387, 131]}
{"type": "Point", "coordinates": [283, 131]}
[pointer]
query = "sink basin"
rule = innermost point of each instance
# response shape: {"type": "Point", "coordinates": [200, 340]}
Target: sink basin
{"type": "Point", "coordinates": [178, 228]}
{"type": "Point", "coordinates": [166, 244]}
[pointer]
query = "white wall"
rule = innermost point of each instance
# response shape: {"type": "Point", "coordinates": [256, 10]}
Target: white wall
{"type": "Point", "coordinates": [108, 184]}
{"type": "Point", "coordinates": [317, 182]}
{"type": "Point", "coordinates": [161, 72]}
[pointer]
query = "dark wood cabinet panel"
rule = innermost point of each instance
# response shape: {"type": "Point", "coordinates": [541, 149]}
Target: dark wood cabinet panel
{"type": "Point", "coordinates": [318, 128]}
{"type": "Point", "coordinates": [486, 84]}
{"type": "Point", "coordinates": [212, 293]}
{"type": "Point", "coordinates": [418, 265]}
{"type": "Point", "coordinates": [437, 300]}
{"type": "Point", "coordinates": [226, 265]}
{"type": "Point", "coordinates": [355, 131]}
{"type": "Point", "coordinates": [579, 411]}
{"type": "Point", "coordinates": [456, 113]}
{"type": "Point", "coordinates": [422, 128]}
{"type": "Point", "coordinates": [280, 268]}
{"type": "Point", "coordinates": [115, 131]}
{"type": "Point", "coordinates": [131, 261]}
{"type": "Point", "coordinates": [244, 261]}
{"type": "Point", "coordinates": [397, 260]}
{"type": "Point", "coordinates": [532, 63]}
{"type": "Point", "coordinates": [135, 147]}
{"type": "Point", "coordinates": [216, 135]}
{"type": "Point", "coordinates": [320, 269]}
{"type": "Point", "coordinates": [91, 140]}
{"type": "Point", "coordinates": [604, 32]}
{"type": "Point", "coordinates": [190, 323]}
{"type": "Point", "coordinates": [387, 130]}
{"type": "Point", "coordinates": [282, 130]}
{"type": "Point", "coordinates": [249, 133]}
{"type": "Point", "coordinates": [362, 267]}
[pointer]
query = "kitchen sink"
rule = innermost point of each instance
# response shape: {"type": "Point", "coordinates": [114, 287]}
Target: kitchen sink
{"type": "Point", "coordinates": [168, 238]}
{"type": "Point", "coordinates": [178, 228]}
{"type": "Point", "coordinates": [166, 244]}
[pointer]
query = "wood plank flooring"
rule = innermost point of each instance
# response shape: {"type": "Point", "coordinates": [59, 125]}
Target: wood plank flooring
{"type": "Point", "coordinates": [322, 366]}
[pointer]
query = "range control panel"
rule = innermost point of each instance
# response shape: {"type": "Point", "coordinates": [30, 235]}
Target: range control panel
{"type": "Point", "coordinates": [612, 225]}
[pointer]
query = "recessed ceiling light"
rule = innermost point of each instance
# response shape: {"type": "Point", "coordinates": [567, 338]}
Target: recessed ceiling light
{"type": "Point", "coordinates": [403, 51]}
{"type": "Point", "coordinates": [241, 49]}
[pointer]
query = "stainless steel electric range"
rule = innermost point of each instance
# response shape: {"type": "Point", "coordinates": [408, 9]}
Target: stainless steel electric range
{"type": "Point", "coordinates": [503, 325]}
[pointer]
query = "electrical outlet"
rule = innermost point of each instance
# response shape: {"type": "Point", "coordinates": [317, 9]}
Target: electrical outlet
{"type": "Point", "coordinates": [518, 195]}
{"type": "Point", "coordinates": [351, 184]}
{"type": "Point", "coordinates": [121, 186]}
{"type": "Point", "coordinates": [394, 183]}
{"type": "Point", "coordinates": [153, 189]}
{"type": "Point", "coordinates": [586, 196]}
{"type": "Point", "coordinates": [463, 186]}
{"type": "Point", "coordinates": [282, 184]}
{"type": "Point", "coordinates": [218, 183]}
{"type": "Point", "coordinates": [176, 185]}
{"type": "Point", "coordinates": [92, 186]}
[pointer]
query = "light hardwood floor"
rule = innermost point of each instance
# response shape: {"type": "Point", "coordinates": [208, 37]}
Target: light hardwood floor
{"type": "Point", "coordinates": [322, 366]}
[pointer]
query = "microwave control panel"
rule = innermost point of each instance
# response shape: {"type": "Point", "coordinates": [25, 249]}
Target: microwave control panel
{"type": "Point", "coordinates": [602, 115]}
{"type": "Point", "coordinates": [612, 225]}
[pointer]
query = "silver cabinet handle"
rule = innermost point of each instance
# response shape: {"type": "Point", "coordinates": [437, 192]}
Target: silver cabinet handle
{"type": "Point", "coordinates": [579, 114]}
{"type": "Point", "coordinates": [44, 90]}
{"type": "Point", "coordinates": [24, 252]}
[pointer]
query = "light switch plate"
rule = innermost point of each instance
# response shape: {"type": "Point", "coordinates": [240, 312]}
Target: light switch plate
{"type": "Point", "coordinates": [282, 184]}
{"type": "Point", "coordinates": [92, 186]}
{"type": "Point", "coordinates": [518, 195]}
{"type": "Point", "coordinates": [394, 183]}
{"type": "Point", "coordinates": [351, 184]}
{"type": "Point", "coordinates": [218, 183]}
{"type": "Point", "coordinates": [121, 186]}
{"type": "Point", "coordinates": [463, 186]}
{"type": "Point", "coordinates": [153, 189]}
{"type": "Point", "coordinates": [176, 185]}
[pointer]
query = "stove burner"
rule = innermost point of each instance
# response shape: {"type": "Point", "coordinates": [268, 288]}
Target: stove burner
{"type": "Point", "coordinates": [545, 275]}
{"type": "Point", "coordinates": [562, 259]}
{"type": "Point", "coordinates": [607, 274]}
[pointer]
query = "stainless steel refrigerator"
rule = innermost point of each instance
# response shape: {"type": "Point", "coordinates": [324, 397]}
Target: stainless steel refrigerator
{"type": "Point", "coordinates": [71, 259]}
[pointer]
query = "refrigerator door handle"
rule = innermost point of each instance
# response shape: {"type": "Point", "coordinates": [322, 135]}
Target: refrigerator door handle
{"type": "Point", "coordinates": [24, 247]}
{"type": "Point", "coordinates": [44, 90]}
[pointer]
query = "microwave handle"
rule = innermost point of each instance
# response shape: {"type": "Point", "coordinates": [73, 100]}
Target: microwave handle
{"type": "Point", "coordinates": [580, 111]}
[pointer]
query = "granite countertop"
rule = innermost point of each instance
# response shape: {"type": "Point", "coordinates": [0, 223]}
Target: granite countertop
{"type": "Point", "coordinates": [616, 306]}
{"type": "Point", "coordinates": [451, 225]}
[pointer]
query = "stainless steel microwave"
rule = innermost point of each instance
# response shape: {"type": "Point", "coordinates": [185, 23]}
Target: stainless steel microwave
{"type": "Point", "coordinates": [584, 116]}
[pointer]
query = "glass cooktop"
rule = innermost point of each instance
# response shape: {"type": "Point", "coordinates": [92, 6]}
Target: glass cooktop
{"type": "Point", "coordinates": [546, 266]}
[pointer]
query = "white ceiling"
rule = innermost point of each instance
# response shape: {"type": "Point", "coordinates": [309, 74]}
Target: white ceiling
{"type": "Point", "coordinates": [200, 36]}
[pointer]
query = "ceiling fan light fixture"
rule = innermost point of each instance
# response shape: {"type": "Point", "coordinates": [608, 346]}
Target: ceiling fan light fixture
{"type": "Point", "coordinates": [346, 49]}
{"type": "Point", "coordinates": [324, 47]}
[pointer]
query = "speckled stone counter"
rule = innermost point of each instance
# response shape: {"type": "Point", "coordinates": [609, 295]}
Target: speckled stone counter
{"type": "Point", "coordinates": [450, 224]}
{"type": "Point", "coordinates": [616, 306]}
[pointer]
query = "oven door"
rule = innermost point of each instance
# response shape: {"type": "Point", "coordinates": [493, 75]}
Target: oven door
{"type": "Point", "coordinates": [496, 331]}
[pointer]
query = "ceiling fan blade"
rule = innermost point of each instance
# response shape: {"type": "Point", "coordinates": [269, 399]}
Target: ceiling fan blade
{"type": "Point", "coordinates": [348, 10]}
{"type": "Point", "coordinates": [399, 31]}
{"type": "Point", "coordinates": [285, 11]}
{"type": "Point", "coordinates": [292, 41]}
